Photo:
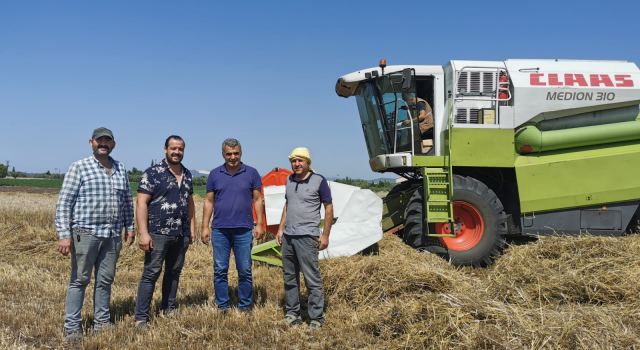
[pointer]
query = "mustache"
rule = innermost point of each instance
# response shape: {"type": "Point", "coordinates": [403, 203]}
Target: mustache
{"type": "Point", "coordinates": [102, 146]}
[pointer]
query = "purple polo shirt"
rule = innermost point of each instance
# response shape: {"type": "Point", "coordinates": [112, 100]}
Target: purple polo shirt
{"type": "Point", "coordinates": [233, 196]}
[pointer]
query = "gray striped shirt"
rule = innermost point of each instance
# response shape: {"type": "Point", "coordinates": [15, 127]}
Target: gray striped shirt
{"type": "Point", "coordinates": [304, 199]}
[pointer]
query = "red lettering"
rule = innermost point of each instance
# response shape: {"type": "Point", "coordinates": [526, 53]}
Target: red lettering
{"type": "Point", "coordinates": [597, 79]}
{"type": "Point", "coordinates": [535, 79]}
{"type": "Point", "coordinates": [553, 80]}
{"type": "Point", "coordinates": [623, 80]}
{"type": "Point", "coordinates": [572, 79]}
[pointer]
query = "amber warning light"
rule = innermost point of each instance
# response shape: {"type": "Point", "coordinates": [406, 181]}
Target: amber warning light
{"type": "Point", "coordinates": [383, 63]}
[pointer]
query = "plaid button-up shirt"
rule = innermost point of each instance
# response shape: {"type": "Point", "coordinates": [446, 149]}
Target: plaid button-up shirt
{"type": "Point", "coordinates": [92, 200]}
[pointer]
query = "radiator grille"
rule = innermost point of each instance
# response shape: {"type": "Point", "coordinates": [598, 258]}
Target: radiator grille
{"type": "Point", "coordinates": [467, 116]}
{"type": "Point", "coordinates": [477, 82]}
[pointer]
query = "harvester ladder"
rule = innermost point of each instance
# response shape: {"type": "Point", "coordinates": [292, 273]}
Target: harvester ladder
{"type": "Point", "coordinates": [438, 185]}
{"type": "Point", "coordinates": [437, 182]}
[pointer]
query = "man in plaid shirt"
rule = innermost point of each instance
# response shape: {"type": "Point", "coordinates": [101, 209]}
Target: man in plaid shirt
{"type": "Point", "coordinates": [95, 203]}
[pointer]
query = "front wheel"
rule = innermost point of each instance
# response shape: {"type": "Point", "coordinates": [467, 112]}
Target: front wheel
{"type": "Point", "coordinates": [480, 225]}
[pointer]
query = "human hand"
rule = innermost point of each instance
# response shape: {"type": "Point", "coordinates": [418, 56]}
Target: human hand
{"type": "Point", "coordinates": [406, 122]}
{"type": "Point", "coordinates": [145, 242]}
{"type": "Point", "coordinates": [258, 232]}
{"type": "Point", "coordinates": [192, 238]}
{"type": "Point", "coordinates": [64, 246]}
{"type": "Point", "coordinates": [131, 237]}
{"type": "Point", "coordinates": [323, 242]}
{"type": "Point", "coordinates": [279, 237]}
{"type": "Point", "coordinates": [205, 235]}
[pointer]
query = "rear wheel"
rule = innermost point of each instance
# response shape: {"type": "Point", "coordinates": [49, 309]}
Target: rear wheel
{"type": "Point", "coordinates": [480, 225]}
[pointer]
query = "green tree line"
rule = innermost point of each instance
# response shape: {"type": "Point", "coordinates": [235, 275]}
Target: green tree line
{"type": "Point", "coordinates": [384, 186]}
{"type": "Point", "coordinates": [4, 172]}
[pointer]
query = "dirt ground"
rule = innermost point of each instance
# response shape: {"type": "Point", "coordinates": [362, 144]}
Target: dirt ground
{"type": "Point", "coordinates": [25, 189]}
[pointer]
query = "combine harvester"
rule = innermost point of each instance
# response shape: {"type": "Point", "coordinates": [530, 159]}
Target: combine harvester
{"type": "Point", "coordinates": [520, 147]}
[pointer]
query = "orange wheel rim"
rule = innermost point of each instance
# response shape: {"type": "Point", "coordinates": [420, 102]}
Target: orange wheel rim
{"type": "Point", "coordinates": [468, 226]}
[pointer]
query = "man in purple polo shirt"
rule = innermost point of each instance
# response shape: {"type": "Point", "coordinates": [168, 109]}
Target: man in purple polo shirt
{"type": "Point", "coordinates": [232, 187]}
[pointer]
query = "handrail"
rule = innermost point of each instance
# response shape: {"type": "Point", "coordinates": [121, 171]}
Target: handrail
{"type": "Point", "coordinates": [449, 126]}
{"type": "Point", "coordinates": [495, 96]}
{"type": "Point", "coordinates": [449, 166]}
{"type": "Point", "coordinates": [395, 128]}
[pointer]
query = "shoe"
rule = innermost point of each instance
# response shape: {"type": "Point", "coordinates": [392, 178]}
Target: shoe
{"type": "Point", "coordinates": [247, 312]}
{"type": "Point", "coordinates": [224, 312]}
{"type": "Point", "coordinates": [168, 312]}
{"type": "Point", "coordinates": [142, 327]}
{"type": "Point", "coordinates": [73, 336]}
{"type": "Point", "coordinates": [314, 326]}
{"type": "Point", "coordinates": [101, 327]}
{"type": "Point", "coordinates": [291, 320]}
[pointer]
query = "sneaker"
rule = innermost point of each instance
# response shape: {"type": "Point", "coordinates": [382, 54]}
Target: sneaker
{"type": "Point", "coordinates": [314, 326]}
{"type": "Point", "coordinates": [101, 327]}
{"type": "Point", "coordinates": [291, 320]}
{"type": "Point", "coordinates": [142, 327]}
{"type": "Point", "coordinates": [73, 336]}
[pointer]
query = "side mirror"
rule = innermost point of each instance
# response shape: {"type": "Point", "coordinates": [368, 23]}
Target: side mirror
{"type": "Point", "coordinates": [406, 78]}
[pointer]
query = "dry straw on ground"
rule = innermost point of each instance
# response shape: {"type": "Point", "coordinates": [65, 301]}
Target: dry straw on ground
{"type": "Point", "coordinates": [556, 293]}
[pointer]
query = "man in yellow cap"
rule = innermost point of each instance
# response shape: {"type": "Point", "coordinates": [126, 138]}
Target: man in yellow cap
{"type": "Point", "coordinates": [301, 239]}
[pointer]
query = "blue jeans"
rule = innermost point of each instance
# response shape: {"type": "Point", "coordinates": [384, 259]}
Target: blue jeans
{"type": "Point", "coordinates": [169, 250]}
{"type": "Point", "coordinates": [241, 240]}
{"type": "Point", "coordinates": [89, 253]}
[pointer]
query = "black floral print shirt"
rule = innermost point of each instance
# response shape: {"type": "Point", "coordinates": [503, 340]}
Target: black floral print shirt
{"type": "Point", "coordinates": [169, 206]}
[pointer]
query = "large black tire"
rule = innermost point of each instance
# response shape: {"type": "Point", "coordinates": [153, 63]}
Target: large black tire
{"type": "Point", "coordinates": [470, 193]}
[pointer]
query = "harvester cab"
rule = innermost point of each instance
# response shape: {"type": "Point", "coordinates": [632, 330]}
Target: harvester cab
{"type": "Point", "coordinates": [406, 129]}
{"type": "Point", "coordinates": [388, 103]}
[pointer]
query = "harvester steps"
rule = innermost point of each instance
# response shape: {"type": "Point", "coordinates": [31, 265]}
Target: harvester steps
{"type": "Point", "coordinates": [438, 189]}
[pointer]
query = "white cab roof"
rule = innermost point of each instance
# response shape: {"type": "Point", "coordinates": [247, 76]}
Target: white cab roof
{"type": "Point", "coordinates": [347, 84]}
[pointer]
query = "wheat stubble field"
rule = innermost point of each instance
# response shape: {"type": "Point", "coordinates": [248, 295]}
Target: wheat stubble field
{"type": "Point", "coordinates": [556, 293]}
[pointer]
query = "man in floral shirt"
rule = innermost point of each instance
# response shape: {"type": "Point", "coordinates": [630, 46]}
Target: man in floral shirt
{"type": "Point", "coordinates": [165, 214]}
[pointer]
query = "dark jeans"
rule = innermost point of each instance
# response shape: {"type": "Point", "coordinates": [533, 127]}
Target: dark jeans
{"type": "Point", "coordinates": [169, 250]}
{"type": "Point", "coordinates": [241, 240]}
{"type": "Point", "coordinates": [301, 253]}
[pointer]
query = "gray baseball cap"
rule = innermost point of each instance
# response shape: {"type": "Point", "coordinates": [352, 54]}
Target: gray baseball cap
{"type": "Point", "coordinates": [99, 132]}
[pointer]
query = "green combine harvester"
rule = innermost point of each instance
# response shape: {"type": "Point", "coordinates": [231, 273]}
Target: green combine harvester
{"type": "Point", "coordinates": [519, 147]}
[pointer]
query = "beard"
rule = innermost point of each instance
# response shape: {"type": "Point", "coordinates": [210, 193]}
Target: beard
{"type": "Point", "coordinates": [170, 161]}
{"type": "Point", "coordinates": [96, 149]}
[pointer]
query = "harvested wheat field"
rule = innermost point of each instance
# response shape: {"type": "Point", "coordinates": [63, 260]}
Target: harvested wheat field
{"type": "Point", "coordinates": [556, 293]}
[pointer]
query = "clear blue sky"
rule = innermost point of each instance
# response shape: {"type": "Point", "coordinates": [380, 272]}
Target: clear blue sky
{"type": "Point", "coordinates": [262, 72]}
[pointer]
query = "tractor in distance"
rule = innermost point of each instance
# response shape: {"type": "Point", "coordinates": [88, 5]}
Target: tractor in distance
{"type": "Point", "coordinates": [519, 147]}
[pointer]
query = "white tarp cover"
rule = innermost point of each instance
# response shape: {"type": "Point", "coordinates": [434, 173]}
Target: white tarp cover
{"type": "Point", "coordinates": [358, 213]}
{"type": "Point", "coordinates": [273, 204]}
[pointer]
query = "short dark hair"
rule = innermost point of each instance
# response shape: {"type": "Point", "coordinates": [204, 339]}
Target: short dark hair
{"type": "Point", "coordinates": [175, 137]}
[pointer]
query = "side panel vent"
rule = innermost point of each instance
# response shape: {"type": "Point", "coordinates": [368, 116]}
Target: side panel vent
{"type": "Point", "coordinates": [484, 82]}
{"type": "Point", "coordinates": [467, 116]}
